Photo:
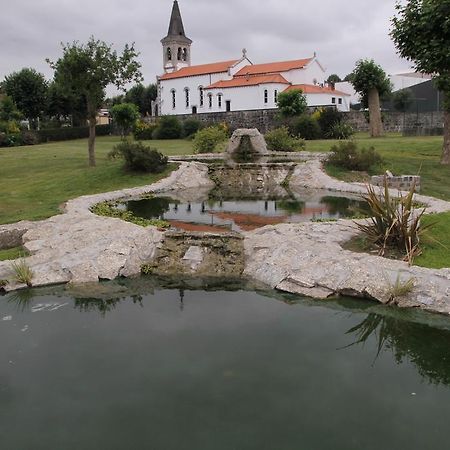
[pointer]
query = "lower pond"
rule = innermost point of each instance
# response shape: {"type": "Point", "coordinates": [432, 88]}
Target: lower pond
{"type": "Point", "coordinates": [146, 364]}
{"type": "Point", "coordinates": [218, 213]}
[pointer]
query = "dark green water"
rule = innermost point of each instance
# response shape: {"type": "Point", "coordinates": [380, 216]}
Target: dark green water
{"type": "Point", "coordinates": [160, 368]}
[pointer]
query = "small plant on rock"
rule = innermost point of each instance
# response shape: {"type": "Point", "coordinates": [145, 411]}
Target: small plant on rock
{"type": "Point", "coordinates": [280, 140]}
{"type": "Point", "coordinates": [400, 288]}
{"type": "Point", "coordinates": [348, 156]}
{"type": "Point", "coordinates": [22, 272]}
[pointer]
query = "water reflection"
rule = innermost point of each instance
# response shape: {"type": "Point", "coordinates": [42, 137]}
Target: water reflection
{"type": "Point", "coordinates": [426, 347]}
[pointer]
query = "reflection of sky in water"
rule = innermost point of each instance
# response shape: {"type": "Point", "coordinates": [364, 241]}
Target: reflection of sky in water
{"type": "Point", "coordinates": [243, 215]}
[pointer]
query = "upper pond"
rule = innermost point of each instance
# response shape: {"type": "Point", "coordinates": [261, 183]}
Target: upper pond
{"type": "Point", "coordinates": [225, 213]}
{"type": "Point", "coordinates": [144, 365]}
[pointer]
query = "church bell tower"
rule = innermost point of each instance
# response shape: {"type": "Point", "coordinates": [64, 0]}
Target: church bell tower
{"type": "Point", "coordinates": [176, 45]}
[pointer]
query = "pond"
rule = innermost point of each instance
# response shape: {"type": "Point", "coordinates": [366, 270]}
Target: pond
{"type": "Point", "coordinates": [224, 213]}
{"type": "Point", "coordinates": [146, 364]}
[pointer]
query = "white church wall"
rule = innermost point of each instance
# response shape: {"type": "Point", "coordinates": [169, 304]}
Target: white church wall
{"type": "Point", "coordinates": [327, 100]}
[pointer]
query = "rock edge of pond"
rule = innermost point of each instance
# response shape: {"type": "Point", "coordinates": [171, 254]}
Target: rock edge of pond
{"type": "Point", "coordinates": [307, 259]}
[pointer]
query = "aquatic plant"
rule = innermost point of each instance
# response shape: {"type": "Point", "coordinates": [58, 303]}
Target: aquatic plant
{"type": "Point", "coordinates": [22, 272]}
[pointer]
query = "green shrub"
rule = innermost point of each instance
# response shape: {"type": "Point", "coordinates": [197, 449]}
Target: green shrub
{"type": "Point", "coordinates": [306, 127]}
{"type": "Point", "coordinates": [292, 103]}
{"type": "Point", "coordinates": [348, 156]}
{"type": "Point", "coordinates": [206, 140]}
{"type": "Point", "coordinates": [69, 133]}
{"type": "Point", "coordinates": [191, 126]}
{"type": "Point", "coordinates": [327, 118]}
{"type": "Point", "coordinates": [169, 127]}
{"type": "Point", "coordinates": [139, 158]}
{"type": "Point", "coordinates": [125, 116]}
{"type": "Point", "coordinates": [144, 131]}
{"type": "Point", "coordinates": [280, 140]}
{"type": "Point", "coordinates": [340, 130]}
{"type": "Point", "coordinates": [29, 138]}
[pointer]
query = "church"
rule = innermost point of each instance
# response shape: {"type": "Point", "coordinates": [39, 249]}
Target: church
{"type": "Point", "coordinates": [237, 84]}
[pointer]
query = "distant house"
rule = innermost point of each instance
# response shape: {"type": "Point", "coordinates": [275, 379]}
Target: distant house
{"type": "Point", "coordinates": [234, 85]}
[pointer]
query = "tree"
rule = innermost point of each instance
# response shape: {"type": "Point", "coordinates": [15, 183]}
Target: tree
{"type": "Point", "coordinates": [371, 82]}
{"type": "Point", "coordinates": [85, 70]}
{"type": "Point", "coordinates": [333, 79]}
{"type": "Point", "coordinates": [402, 100]}
{"type": "Point", "coordinates": [28, 90]}
{"type": "Point", "coordinates": [125, 116]}
{"type": "Point", "coordinates": [421, 35]}
{"type": "Point", "coordinates": [142, 97]}
{"type": "Point", "coordinates": [9, 111]}
{"type": "Point", "coordinates": [292, 103]}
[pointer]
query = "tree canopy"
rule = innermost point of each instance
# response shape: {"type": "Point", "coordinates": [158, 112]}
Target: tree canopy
{"type": "Point", "coordinates": [292, 103]}
{"type": "Point", "coordinates": [125, 116]}
{"type": "Point", "coordinates": [86, 70]}
{"type": "Point", "coordinates": [421, 33]}
{"type": "Point", "coordinates": [402, 100]}
{"type": "Point", "coordinates": [334, 78]}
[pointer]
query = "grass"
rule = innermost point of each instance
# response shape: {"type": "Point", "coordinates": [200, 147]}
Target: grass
{"type": "Point", "coordinates": [12, 253]}
{"type": "Point", "coordinates": [35, 181]}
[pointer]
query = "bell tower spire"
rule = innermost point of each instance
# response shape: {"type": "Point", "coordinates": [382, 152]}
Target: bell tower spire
{"type": "Point", "coordinates": [176, 45]}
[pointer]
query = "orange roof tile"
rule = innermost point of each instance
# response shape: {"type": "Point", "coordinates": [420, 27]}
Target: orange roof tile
{"type": "Point", "coordinates": [275, 67]}
{"type": "Point", "coordinates": [249, 81]}
{"type": "Point", "coordinates": [203, 69]}
{"type": "Point", "coordinates": [315, 89]}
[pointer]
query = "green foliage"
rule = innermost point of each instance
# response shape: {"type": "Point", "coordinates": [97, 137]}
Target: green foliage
{"type": "Point", "coordinates": [144, 131]}
{"type": "Point", "coordinates": [142, 97]}
{"type": "Point", "coordinates": [22, 272]}
{"type": "Point", "coordinates": [292, 103]}
{"type": "Point", "coordinates": [369, 75]}
{"type": "Point", "coordinates": [140, 158]}
{"type": "Point", "coordinates": [402, 100]}
{"type": "Point", "coordinates": [328, 118]}
{"type": "Point", "coordinates": [206, 140]}
{"type": "Point", "coordinates": [29, 138]}
{"type": "Point", "coordinates": [9, 111]}
{"type": "Point", "coordinates": [394, 223]}
{"type": "Point", "coordinates": [347, 155]}
{"type": "Point", "coordinates": [333, 79]}
{"type": "Point", "coordinates": [13, 253]}
{"type": "Point", "coordinates": [191, 126]}
{"type": "Point", "coordinates": [169, 127]}
{"type": "Point", "coordinates": [69, 133]}
{"type": "Point", "coordinates": [125, 115]}
{"type": "Point", "coordinates": [28, 89]}
{"type": "Point", "coordinates": [341, 131]}
{"type": "Point", "coordinates": [110, 209]}
{"type": "Point", "coordinates": [86, 70]}
{"type": "Point", "coordinates": [306, 127]}
{"type": "Point", "coordinates": [280, 140]}
{"type": "Point", "coordinates": [400, 288]}
{"type": "Point", "coordinates": [3, 283]}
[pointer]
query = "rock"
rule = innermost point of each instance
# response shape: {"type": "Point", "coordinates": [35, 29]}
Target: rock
{"type": "Point", "coordinates": [256, 138]}
{"type": "Point", "coordinates": [194, 257]}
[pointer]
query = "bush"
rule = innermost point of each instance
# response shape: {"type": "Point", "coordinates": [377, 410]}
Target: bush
{"type": "Point", "coordinates": [169, 127]}
{"type": "Point", "coordinates": [348, 156]}
{"type": "Point", "coordinates": [125, 116]}
{"type": "Point", "coordinates": [144, 131]}
{"type": "Point", "coordinates": [306, 127]}
{"type": "Point", "coordinates": [206, 140]}
{"type": "Point", "coordinates": [139, 158]}
{"type": "Point", "coordinates": [69, 133]}
{"type": "Point", "coordinates": [29, 138]}
{"type": "Point", "coordinates": [280, 140]}
{"type": "Point", "coordinates": [191, 126]}
{"type": "Point", "coordinates": [340, 130]}
{"type": "Point", "coordinates": [327, 118]}
{"type": "Point", "coordinates": [292, 103]}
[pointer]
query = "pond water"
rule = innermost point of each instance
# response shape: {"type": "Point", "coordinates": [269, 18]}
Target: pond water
{"type": "Point", "coordinates": [145, 365]}
{"type": "Point", "coordinates": [225, 214]}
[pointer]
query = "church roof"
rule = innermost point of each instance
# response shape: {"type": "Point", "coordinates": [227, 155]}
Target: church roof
{"type": "Point", "coordinates": [276, 67]}
{"type": "Point", "coordinates": [249, 81]}
{"type": "Point", "coordinates": [315, 89]}
{"type": "Point", "coordinates": [176, 27]}
{"type": "Point", "coordinates": [203, 69]}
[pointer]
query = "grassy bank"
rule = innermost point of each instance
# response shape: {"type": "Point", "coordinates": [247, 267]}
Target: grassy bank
{"type": "Point", "coordinates": [35, 180]}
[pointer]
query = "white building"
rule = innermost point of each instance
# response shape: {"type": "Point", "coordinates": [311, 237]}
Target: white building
{"type": "Point", "coordinates": [236, 85]}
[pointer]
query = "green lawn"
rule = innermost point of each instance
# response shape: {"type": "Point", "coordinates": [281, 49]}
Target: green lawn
{"type": "Point", "coordinates": [12, 253]}
{"type": "Point", "coordinates": [35, 180]}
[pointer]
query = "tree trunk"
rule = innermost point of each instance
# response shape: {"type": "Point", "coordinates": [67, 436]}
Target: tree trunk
{"type": "Point", "coordinates": [91, 142]}
{"type": "Point", "coordinates": [445, 159]}
{"type": "Point", "coordinates": [375, 124]}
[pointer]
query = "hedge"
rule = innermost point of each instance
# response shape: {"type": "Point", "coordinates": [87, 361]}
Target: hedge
{"type": "Point", "coordinates": [69, 133]}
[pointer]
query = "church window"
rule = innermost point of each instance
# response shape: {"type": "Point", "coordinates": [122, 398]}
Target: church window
{"type": "Point", "coordinates": [169, 54]}
{"type": "Point", "coordinates": [219, 100]}
{"type": "Point", "coordinates": [210, 100]}
{"type": "Point", "coordinates": [333, 100]}
{"type": "Point", "coordinates": [340, 101]}
{"type": "Point", "coordinates": [266, 96]}
{"type": "Point", "coordinates": [186, 91]}
{"type": "Point", "coordinates": [185, 57]}
{"type": "Point", "coordinates": [180, 50]}
{"type": "Point", "coordinates": [202, 95]}
{"type": "Point", "coordinates": [275, 96]}
{"type": "Point", "coordinates": [174, 99]}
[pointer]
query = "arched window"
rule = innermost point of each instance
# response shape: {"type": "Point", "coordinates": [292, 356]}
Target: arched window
{"type": "Point", "coordinates": [180, 50]}
{"type": "Point", "coordinates": [174, 98]}
{"type": "Point", "coordinates": [210, 100]}
{"type": "Point", "coordinates": [169, 54]}
{"type": "Point", "coordinates": [186, 93]}
{"type": "Point", "coordinates": [275, 96]}
{"type": "Point", "coordinates": [201, 95]}
{"type": "Point", "coordinates": [185, 54]}
{"type": "Point", "coordinates": [219, 100]}
{"type": "Point", "coordinates": [266, 96]}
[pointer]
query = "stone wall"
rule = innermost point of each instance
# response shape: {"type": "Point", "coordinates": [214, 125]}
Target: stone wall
{"type": "Point", "coordinates": [265, 120]}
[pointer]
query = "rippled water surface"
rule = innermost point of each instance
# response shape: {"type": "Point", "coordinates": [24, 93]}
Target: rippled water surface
{"type": "Point", "coordinates": [150, 366]}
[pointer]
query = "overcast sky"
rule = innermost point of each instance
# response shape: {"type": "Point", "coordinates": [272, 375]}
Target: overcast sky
{"type": "Point", "coordinates": [340, 32]}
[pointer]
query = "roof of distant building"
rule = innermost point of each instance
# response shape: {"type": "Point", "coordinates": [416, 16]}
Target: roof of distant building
{"type": "Point", "coordinates": [315, 89]}
{"type": "Point", "coordinates": [249, 81]}
{"type": "Point", "coordinates": [203, 69]}
{"type": "Point", "coordinates": [275, 67]}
